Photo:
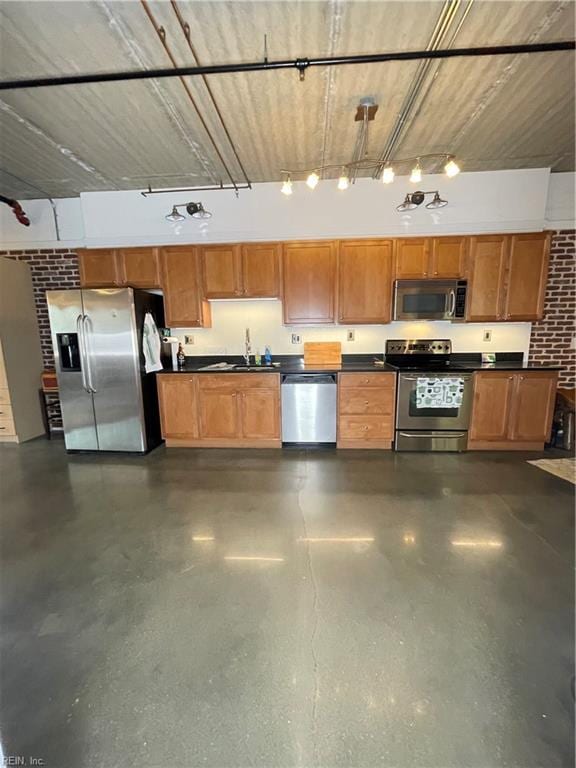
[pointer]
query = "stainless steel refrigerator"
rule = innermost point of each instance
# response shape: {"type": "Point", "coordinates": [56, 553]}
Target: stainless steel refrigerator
{"type": "Point", "coordinates": [108, 402]}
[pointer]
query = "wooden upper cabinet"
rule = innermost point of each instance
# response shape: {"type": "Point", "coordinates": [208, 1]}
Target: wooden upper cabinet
{"type": "Point", "coordinates": [365, 269]}
{"type": "Point", "coordinates": [449, 257]}
{"type": "Point", "coordinates": [491, 406]}
{"type": "Point", "coordinates": [533, 406]}
{"type": "Point", "coordinates": [527, 276]}
{"type": "Point", "coordinates": [261, 270]}
{"type": "Point", "coordinates": [309, 284]}
{"type": "Point", "coordinates": [178, 405]}
{"type": "Point", "coordinates": [99, 268]}
{"type": "Point", "coordinates": [184, 304]}
{"type": "Point", "coordinates": [139, 267]}
{"type": "Point", "coordinates": [486, 285]}
{"type": "Point", "coordinates": [412, 258]}
{"type": "Point", "coordinates": [221, 269]}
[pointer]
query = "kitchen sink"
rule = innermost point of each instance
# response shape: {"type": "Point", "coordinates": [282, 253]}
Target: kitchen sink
{"type": "Point", "coordinates": [216, 367]}
{"type": "Point", "coordinates": [260, 368]}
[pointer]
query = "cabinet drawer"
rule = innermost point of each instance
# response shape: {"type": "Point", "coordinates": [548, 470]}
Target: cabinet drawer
{"type": "Point", "coordinates": [6, 426]}
{"type": "Point", "coordinates": [346, 380]}
{"type": "Point", "coordinates": [4, 396]}
{"type": "Point", "coordinates": [366, 427]}
{"type": "Point", "coordinates": [5, 411]}
{"type": "Point", "coordinates": [370, 400]}
{"type": "Point", "coordinates": [234, 381]}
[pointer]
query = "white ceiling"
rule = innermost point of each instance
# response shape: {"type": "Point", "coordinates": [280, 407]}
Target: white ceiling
{"type": "Point", "coordinates": [493, 113]}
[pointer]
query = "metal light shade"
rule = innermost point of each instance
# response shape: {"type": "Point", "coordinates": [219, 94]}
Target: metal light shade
{"type": "Point", "coordinates": [407, 205]}
{"type": "Point", "coordinates": [437, 202]}
{"type": "Point", "coordinates": [196, 210]}
{"type": "Point", "coordinates": [175, 216]}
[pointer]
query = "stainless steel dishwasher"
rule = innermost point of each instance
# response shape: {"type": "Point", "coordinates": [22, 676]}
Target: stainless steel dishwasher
{"type": "Point", "coordinates": [309, 408]}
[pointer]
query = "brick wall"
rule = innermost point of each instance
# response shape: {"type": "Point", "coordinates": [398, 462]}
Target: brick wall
{"type": "Point", "coordinates": [552, 338]}
{"type": "Point", "coordinates": [51, 270]}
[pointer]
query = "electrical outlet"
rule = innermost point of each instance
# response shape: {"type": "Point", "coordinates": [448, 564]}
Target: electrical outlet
{"type": "Point", "coordinates": [487, 336]}
{"type": "Point", "coordinates": [296, 338]}
{"type": "Point", "coordinates": [188, 339]}
{"type": "Point", "coordinates": [350, 335]}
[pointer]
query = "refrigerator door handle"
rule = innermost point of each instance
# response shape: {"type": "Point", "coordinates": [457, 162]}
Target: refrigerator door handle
{"type": "Point", "coordinates": [85, 329]}
{"type": "Point", "coordinates": [83, 360]}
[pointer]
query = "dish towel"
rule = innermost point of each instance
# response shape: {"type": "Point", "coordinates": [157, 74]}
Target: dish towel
{"type": "Point", "coordinates": [151, 345]}
{"type": "Point", "coordinates": [436, 392]}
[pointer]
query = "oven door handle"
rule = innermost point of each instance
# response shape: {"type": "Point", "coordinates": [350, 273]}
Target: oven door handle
{"type": "Point", "coordinates": [431, 433]}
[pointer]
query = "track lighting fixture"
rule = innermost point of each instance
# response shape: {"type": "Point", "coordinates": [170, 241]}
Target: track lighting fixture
{"type": "Point", "coordinates": [287, 186]}
{"type": "Point", "coordinates": [312, 180]}
{"type": "Point", "coordinates": [416, 175]}
{"type": "Point", "coordinates": [196, 210]}
{"type": "Point", "coordinates": [343, 181]}
{"type": "Point", "coordinates": [451, 168]}
{"type": "Point", "coordinates": [388, 175]}
{"type": "Point", "coordinates": [414, 199]}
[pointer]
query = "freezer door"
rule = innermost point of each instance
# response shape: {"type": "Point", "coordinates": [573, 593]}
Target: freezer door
{"type": "Point", "coordinates": [114, 368]}
{"type": "Point", "coordinates": [66, 313]}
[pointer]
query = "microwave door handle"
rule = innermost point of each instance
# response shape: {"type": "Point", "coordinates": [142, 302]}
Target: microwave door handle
{"type": "Point", "coordinates": [81, 345]}
{"type": "Point", "coordinates": [452, 305]}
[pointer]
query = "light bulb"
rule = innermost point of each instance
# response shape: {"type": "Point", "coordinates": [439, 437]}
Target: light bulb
{"type": "Point", "coordinates": [343, 182]}
{"type": "Point", "coordinates": [416, 175]}
{"type": "Point", "coordinates": [312, 179]}
{"type": "Point", "coordinates": [388, 175]}
{"type": "Point", "coordinates": [287, 187]}
{"type": "Point", "coordinates": [451, 168]}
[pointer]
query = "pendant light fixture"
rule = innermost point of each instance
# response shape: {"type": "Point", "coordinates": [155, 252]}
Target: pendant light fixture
{"type": "Point", "coordinates": [343, 181]}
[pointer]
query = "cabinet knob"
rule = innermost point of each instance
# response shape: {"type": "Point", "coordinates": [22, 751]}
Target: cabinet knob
{"type": "Point", "coordinates": [365, 428]}
{"type": "Point", "coordinates": [435, 273]}
{"type": "Point", "coordinates": [233, 394]}
{"type": "Point", "coordinates": [510, 377]}
{"type": "Point", "coordinates": [366, 381]}
{"type": "Point", "coordinates": [522, 378]}
{"type": "Point", "coordinates": [366, 402]}
{"type": "Point", "coordinates": [425, 274]}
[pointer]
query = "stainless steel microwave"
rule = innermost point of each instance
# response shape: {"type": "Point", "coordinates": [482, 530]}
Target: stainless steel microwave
{"type": "Point", "coordinates": [430, 299]}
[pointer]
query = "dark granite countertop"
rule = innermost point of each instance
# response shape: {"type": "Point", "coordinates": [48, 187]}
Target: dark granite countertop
{"type": "Point", "coordinates": [460, 362]}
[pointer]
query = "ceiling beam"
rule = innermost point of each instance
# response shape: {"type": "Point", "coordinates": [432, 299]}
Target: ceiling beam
{"type": "Point", "coordinates": [301, 64]}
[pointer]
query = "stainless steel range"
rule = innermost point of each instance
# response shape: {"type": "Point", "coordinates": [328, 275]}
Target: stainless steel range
{"type": "Point", "coordinates": [433, 401]}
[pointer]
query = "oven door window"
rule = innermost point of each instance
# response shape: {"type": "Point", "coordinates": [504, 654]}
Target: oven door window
{"type": "Point", "coordinates": [427, 304]}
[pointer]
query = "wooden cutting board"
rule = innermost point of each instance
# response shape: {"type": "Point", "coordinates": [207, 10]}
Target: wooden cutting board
{"type": "Point", "coordinates": [322, 353]}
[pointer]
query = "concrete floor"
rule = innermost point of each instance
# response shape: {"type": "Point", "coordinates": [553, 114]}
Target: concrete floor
{"type": "Point", "coordinates": [408, 609]}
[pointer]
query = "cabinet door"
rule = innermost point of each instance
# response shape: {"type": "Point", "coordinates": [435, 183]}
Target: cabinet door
{"type": "Point", "coordinates": [365, 280]}
{"type": "Point", "coordinates": [98, 268]}
{"type": "Point", "coordinates": [221, 267]}
{"type": "Point", "coordinates": [486, 289]}
{"type": "Point", "coordinates": [412, 258]}
{"type": "Point", "coordinates": [309, 271]}
{"type": "Point", "coordinates": [178, 405]}
{"type": "Point", "coordinates": [261, 270]}
{"type": "Point", "coordinates": [527, 276]}
{"type": "Point", "coordinates": [219, 417]}
{"type": "Point", "coordinates": [449, 256]}
{"type": "Point", "coordinates": [491, 405]}
{"type": "Point", "coordinates": [139, 267]}
{"type": "Point", "coordinates": [260, 413]}
{"type": "Point", "coordinates": [184, 305]}
{"type": "Point", "coordinates": [533, 406]}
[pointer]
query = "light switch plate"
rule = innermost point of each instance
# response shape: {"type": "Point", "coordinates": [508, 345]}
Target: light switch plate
{"type": "Point", "coordinates": [296, 338]}
{"type": "Point", "coordinates": [188, 339]}
{"type": "Point", "coordinates": [487, 336]}
{"type": "Point", "coordinates": [350, 335]}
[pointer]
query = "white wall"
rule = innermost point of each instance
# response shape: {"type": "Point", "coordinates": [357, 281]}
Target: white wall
{"type": "Point", "coordinates": [495, 201]}
{"type": "Point", "coordinates": [264, 318]}
{"type": "Point", "coordinates": [561, 205]}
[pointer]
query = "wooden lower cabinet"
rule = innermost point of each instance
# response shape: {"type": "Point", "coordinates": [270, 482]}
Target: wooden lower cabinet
{"type": "Point", "coordinates": [512, 410]}
{"type": "Point", "coordinates": [226, 410]}
{"type": "Point", "coordinates": [366, 407]}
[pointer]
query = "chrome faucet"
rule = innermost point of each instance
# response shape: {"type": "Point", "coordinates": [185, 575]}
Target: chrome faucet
{"type": "Point", "coordinates": [247, 347]}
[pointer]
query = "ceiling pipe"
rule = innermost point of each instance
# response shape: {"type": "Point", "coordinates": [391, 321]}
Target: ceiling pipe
{"type": "Point", "coordinates": [301, 65]}
{"type": "Point", "coordinates": [161, 33]}
{"type": "Point", "coordinates": [185, 27]}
